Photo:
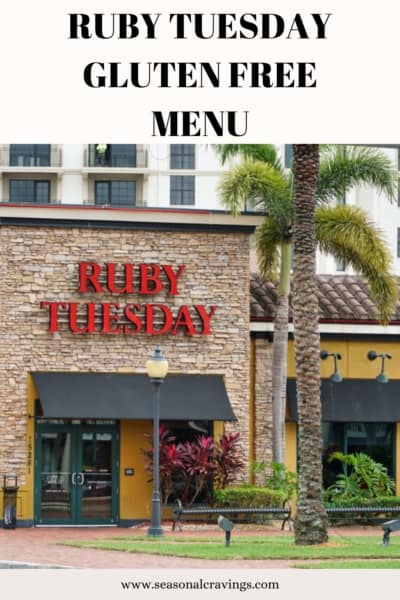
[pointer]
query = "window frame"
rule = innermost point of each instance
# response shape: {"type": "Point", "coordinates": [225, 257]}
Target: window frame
{"type": "Point", "coordinates": [29, 153]}
{"type": "Point", "coordinates": [35, 185]}
{"type": "Point", "coordinates": [177, 192]}
{"type": "Point", "coordinates": [182, 156]}
{"type": "Point", "coordinates": [110, 201]}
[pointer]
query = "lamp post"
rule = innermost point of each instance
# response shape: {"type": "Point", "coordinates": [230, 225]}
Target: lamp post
{"type": "Point", "coordinates": [157, 369]}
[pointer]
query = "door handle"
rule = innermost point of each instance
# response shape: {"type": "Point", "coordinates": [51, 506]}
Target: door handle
{"type": "Point", "coordinates": [81, 479]}
{"type": "Point", "coordinates": [73, 478]}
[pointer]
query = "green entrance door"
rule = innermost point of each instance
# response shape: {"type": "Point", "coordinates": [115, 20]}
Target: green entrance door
{"type": "Point", "coordinates": [76, 474]}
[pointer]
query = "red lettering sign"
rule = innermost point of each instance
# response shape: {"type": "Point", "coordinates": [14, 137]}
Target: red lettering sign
{"type": "Point", "coordinates": [132, 318]}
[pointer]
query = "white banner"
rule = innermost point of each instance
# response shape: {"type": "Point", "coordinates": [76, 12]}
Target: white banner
{"type": "Point", "coordinates": [197, 583]}
{"type": "Point", "coordinates": [315, 71]}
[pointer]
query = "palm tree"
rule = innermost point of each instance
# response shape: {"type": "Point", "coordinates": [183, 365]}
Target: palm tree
{"type": "Point", "coordinates": [311, 523]}
{"type": "Point", "coordinates": [344, 231]}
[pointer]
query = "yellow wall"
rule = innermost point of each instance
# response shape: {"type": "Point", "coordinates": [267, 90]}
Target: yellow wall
{"type": "Point", "coordinates": [135, 491]}
{"type": "Point", "coordinates": [219, 428]}
{"type": "Point", "coordinates": [354, 363]}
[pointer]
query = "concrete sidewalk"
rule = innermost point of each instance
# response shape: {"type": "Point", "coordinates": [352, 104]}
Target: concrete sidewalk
{"type": "Point", "coordinates": [43, 545]}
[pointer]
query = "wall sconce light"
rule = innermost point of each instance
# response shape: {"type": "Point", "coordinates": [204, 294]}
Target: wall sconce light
{"type": "Point", "coordinates": [372, 355]}
{"type": "Point", "coordinates": [336, 376]}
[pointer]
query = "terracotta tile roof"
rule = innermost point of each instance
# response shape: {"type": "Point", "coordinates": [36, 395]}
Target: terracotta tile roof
{"type": "Point", "coordinates": [340, 297]}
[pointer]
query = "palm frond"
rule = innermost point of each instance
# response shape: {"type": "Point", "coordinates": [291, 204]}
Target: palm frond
{"type": "Point", "coordinates": [263, 152]}
{"type": "Point", "coordinates": [268, 239]}
{"type": "Point", "coordinates": [347, 234]}
{"type": "Point", "coordinates": [342, 167]}
{"type": "Point", "coordinates": [258, 184]}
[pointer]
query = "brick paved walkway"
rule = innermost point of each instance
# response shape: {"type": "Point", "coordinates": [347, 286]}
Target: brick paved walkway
{"type": "Point", "coordinates": [42, 545]}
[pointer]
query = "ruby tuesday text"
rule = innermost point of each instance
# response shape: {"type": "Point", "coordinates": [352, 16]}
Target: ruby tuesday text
{"type": "Point", "coordinates": [146, 279]}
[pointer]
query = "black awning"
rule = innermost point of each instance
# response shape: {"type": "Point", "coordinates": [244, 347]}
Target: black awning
{"type": "Point", "coordinates": [352, 400]}
{"type": "Point", "coordinates": [130, 396]}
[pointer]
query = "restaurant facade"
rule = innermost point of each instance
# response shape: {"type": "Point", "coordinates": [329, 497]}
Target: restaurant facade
{"type": "Point", "coordinates": [88, 293]}
{"type": "Point", "coordinates": [86, 296]}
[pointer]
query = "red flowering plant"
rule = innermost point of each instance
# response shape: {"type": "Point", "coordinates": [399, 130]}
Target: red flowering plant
{"type": "Point", "coordinates": [228, 460]}
{"type": "Point", "coordinates": [188, 470]}
{"type": "Point", "coordinates": [170, 463]}
{"type": "Point", "coordinates": [198, 461]}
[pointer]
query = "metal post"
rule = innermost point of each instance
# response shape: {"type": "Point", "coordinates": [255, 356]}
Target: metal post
{"type": "Point", "coordinates": [155, 528]}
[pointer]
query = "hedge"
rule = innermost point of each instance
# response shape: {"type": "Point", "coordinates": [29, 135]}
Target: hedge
{"type": "Point", "coordinates": [387, 501]}
{"type": "Point", "coordinates": [248, 496]}
{"type": "Point", "coordinates": [370, 518]}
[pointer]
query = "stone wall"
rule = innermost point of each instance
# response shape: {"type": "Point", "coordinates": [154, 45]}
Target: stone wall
{"type": "Point", "coordinates": [263, 400]}
{"type": "Point", "coordinates": [41, 264]}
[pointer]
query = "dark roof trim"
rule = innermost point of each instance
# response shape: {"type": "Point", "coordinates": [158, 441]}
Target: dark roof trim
{"type": "Point", "coordinates": [125, 225]}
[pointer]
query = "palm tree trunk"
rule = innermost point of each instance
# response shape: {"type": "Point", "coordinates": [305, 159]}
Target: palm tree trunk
{"type": "Point", "coordinates": [311, 523]}
{"type": "Point", "coordinates": [279, 357]}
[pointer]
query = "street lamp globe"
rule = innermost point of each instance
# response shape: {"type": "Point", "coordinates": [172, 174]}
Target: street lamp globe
{"type": "Point", "coordinates": [157, 365]}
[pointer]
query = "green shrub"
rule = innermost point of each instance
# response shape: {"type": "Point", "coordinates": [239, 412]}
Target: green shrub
{"type": "Point", "coordinates": [277, 477]}
{"type": "Point", "coordinates": [364, 519]}
{"type": "Point", "coordinates": [386, 501]}
{"type": "Point", "coordinates": [248, 496]}
{"type": "Point", "coordinates": [362, 477]}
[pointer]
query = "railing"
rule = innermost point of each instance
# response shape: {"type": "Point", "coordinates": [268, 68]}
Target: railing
{"type": "Point", "coordinates": [134, 157]}
{"type": "Point", "coordinates": [9, 158]}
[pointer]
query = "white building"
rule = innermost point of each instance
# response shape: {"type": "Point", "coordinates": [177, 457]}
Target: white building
{"type": "Point", "coordinates": [152, 176]}
{"type": "Point", "coordinates": [116, 175]}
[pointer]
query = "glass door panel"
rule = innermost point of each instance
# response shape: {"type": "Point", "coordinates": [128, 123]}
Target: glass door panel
{"type": "Point", "coordinates": [76, 474]}
{"type": "Point", "coordinates": [56, 476]}
{"type": "Point", "coordinates": [95, 477]}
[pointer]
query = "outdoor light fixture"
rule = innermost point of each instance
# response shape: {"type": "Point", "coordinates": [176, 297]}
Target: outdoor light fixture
{"type": "Point", "coordinates": [157, 369]}
{"type": "Point", "coordinates": [227, 526]}
{"type": "Point", "coordinates": [336, 376]}
{"type": "Point", "coordinates": [372, 355]}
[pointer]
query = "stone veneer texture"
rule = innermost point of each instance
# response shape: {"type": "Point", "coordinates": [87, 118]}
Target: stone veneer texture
{"type": "Point", "coordinates": [41, 264]}
{"type": "Point", "coordinates": [263, 404]}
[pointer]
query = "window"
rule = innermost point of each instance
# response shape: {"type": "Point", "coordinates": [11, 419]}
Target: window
{"type": "Point", "coordinates": [112, 155]}
{"type": "Point", "coordinates": [288, 158]}
{"type": "Point", "coordinates": [116, 193]}
{"type": "Point", "coordinates": [182, 156]}
{"type": "Point", "coordinates": [30, 190]}
{"type": "Point", "coordinates": [182, 189]}
{"type": "Point", "coordinates": [29, 155]}
{"type": "Point", "coordinates": [374, 439]}
{"type": "Point", "coordinates": [339, 265]}
{"type": "Point", "coordinates": [123, 155]}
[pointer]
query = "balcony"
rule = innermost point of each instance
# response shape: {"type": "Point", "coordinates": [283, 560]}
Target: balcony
{"type": "Point", "coordinates": [30, 158]}
{"type": "Point", "coordinates": [99, 157]}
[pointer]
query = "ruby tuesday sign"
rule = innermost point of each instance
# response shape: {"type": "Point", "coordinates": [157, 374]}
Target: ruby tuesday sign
{"type": "Point", "coordinates": [139, 282]}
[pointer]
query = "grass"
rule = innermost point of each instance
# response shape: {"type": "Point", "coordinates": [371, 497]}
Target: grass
{"type": "Point", "coordinates": [253, 547]}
